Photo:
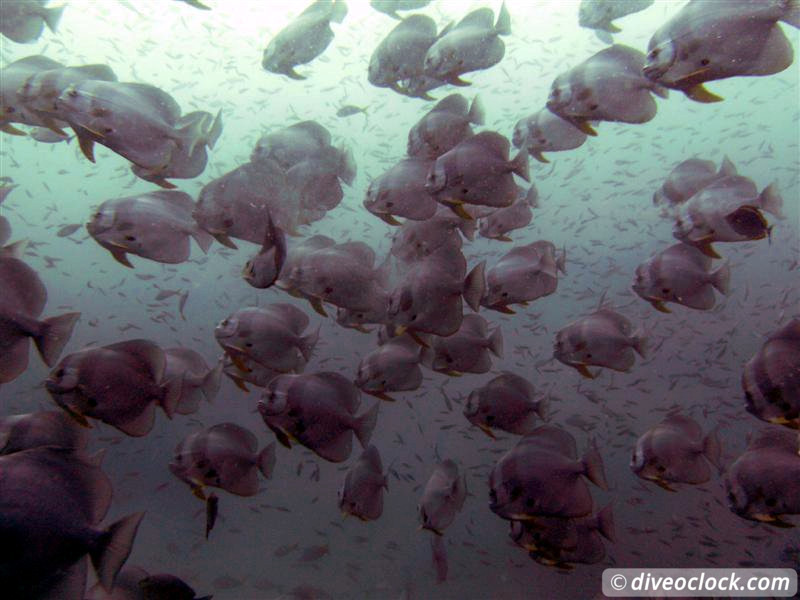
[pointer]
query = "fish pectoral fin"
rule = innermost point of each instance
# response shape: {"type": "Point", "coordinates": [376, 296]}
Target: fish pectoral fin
{"type": "Point", "coordinates": [316, 304]}
{"type": "Point", "coordinates": [659, 306]}
{"type": "Point", "coordinates": [664, 485]}
{"type": "Point", "coordinates": [414, 336]}
{"type": "Point", "coordinates": [700, 94]}
{"type": "Point", "coordinates": [583, 370]}
{"type": "Point", "coordinates": [198, 491]}
{"type": "Point", "coordinates": [87, 146]}
{"type": "Point", "coordinates": [290, 72]}
{"type": "Point", "coordinates": [240, 384]}
{"type": "Point", "coordinates": [503, 238]}
{"type": "Point", "coordinates": [239, 363]}
{"type": "Point", "coordinates": [456, 80]}
{"type": "Point", "coordinates": [539, 156]}
{"type": "Point", "coordinates": [389, 219]}
{"type": "Point", "coordinates": [11, 130]}
{"type": "Point", "coordinates": [487, 430]}
{"type": "Point", "coordinates": [78, 418]}
{"type": "Point", "coordinates": [120, 256]}
{"type": "Point", "coordinates": [382, 396]}
{"type": "Point", "coordinates": [585, 127]}
{"type": "Point", "coordinates": [706, 248]}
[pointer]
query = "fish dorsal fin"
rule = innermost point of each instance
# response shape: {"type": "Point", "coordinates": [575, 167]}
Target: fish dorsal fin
{"type": "Point", "coordinates": [790, 331]}
{"type": "Point", "coordinates": [345, 394]}
{"type": "Point", "coordinates": [619, 321]}
{"type": "Point", "coordinates": [454, 103]}
{"type": "Point", "coordinates": [775, 438]}
{"type": "Point", "coordinates": [516, 382]}
{"type": "Point", "coordinates": [40, 62]}
{"type": "Point", "coordinates": [237, 433]}
{"type": "Point", "coordinates": [147, 353]}
{"type": "Point", "coordinates": [482, 18]}
{"type": "Point", "coordinates": [418, 23]}
{"type": "Point", "coordinates": [475, 325]}
{"type": "Point", "coordinates": [189, 357]}
{"type": "Point", "coordinates": [630, 59]}
{"type": "Point", "coordinates": [491, 142]}
{"type": "Point", "coordinates": [685, 425]}
{"type": "Point", "coordinates": [98, 72]}
{"type": "Point", "coordinates": [154, 98]}
{"type": "Point", "coordinates": [294, 318]}
{"type": "Point", "coordinates": [736, 186]}
{"type": "Point", "coordinates": [552, 438]}
{"type": "Point", "coordinates": [176, 197]}
{"type": "Point", "coordinates": [315, 131]}
{"type": "Point", "coordinates": [372, 458]}
{"type": "Point", "coordinates": [727, 168]}
{"type": "Point", "coordinates": [690, 253]}
{"type": "Point", "coordinates": [360, 252]}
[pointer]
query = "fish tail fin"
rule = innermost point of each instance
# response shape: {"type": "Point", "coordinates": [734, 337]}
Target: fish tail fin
{"type": "Point", "coordinates": [266, 460]}
{"type": "Point", "coordinates": [468, 228]}
{"type": "Point", "coordinates": [213, 132]}
{"type": "Point", "coordinates": [348, 169]}
{"type": "Point", "coordinates": [520, 165]}
{"type": "Point", "coordinates": [15, 250]}
{"type": "Point", "coordinates": [561, 261]}
{"type": "Point", "coordinates": [605, 522]}
{"type": "Point", "coordinates": [771, 201]}
{"type": "Point", "coordinates": [172, 394]}
{"type": "Point", "coordinates": [192, 134]}
{"type": "Point", "coordinates": [477, 114]}
{"type": "Point", "coordinates": [496, 342]}
{"type": "Point", "coordinates": [338, 11]}
{"type": "Point", "coordinates": [659, 90]}
{"type": "Point", "coordinates": [792, 13]}
{"type": "Point", "coordinates": [54, 335]}
{"type": "Point", "coordinates": [712, 449]}
{"type": "Point", "coordinates": [308, 343]}
{"type": "Point", "coordinates": [112, 549]}
{"type": "Point", "coordinates": [594, 470]}
{"type": "Point", "coordinates": [727, 168]}
{"type": "Point", "coordinates": [604, 36]}
{"type": "Point", "coordinates": [721, 278]}
{"type": "Point", "coordinates": [475, 286]}
{"type": "Point", "coordinates": [639, 341]}
{"type": "Point", "coordinates": [52, 16]}
{"type": "Point", "coordinates": [365, 425]}
{"type": "Point", "coordinates": [203, 239]}
{"type": "Point", "coordinates": [211, 382]}
{"type": "Point", "coordinates": [543, 407]}
{"type": "Point", "coordinates": [503, 25]}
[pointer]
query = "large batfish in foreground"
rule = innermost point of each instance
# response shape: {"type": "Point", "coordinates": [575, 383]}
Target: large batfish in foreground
{"type": "Point", "coordinates": [52, 503]}
{"type": "Point", "coordinates": [21, 304]}
{"type": "Point", "coordinates": [771, 379]}
{"type": "Point", "coordinates": [706, 41]}
{"type": "Point", "coordinates": [763, 484]}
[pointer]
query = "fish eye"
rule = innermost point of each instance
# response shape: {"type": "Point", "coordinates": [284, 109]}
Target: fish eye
{"type": "Point", "coordinates": [227, 222]}
{"type": "Point", "coordinates": [72, 93]}
{"type": "Point", "coordinates": [593, 107]}
{"type": "Point", "coordinates": [665, 290]}
{"type": "Point", "coordinates": [654, 53]}
{"type": "Point", "coordinates": [661, 468]}
{"type": "Point", "coordinates": [705, 62]}
{"type": "Point", "coordinates": [516, 491]}
{"type": "Point", "coordinates": [492, 495]}
{"type": "Point", "coordinates": [130, 238]}
{"type": "Point", "coordinates": [771, 502]}
{"type": "Point", "coordinates": [60, 373]}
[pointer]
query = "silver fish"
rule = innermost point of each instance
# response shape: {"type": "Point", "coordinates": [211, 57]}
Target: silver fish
{"type": "Point", "coordinates": [442, 498]}
{"type": "Point", "coordinates": [507, 402]}
{"type": "Point", "coordinates": [23, 22]}
{"type": "Point", "coordinates": [361, 494]}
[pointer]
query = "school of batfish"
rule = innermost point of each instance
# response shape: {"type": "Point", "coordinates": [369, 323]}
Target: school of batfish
{"type": "Point", "coordinates": [427, 304]}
